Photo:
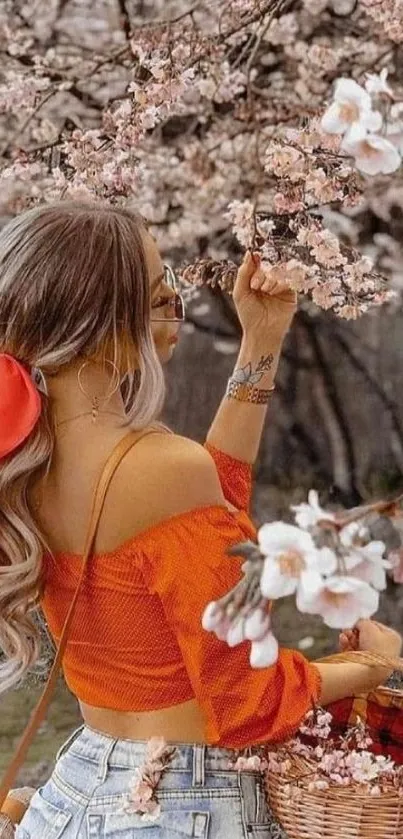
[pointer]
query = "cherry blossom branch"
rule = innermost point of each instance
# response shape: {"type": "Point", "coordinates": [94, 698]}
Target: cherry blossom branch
{"type": "Point", "coordinates": [125, 18]}
{"type": "Point", "coordinates": [162, 22]}
{"type": "Point", "coordinates": [21, 128]}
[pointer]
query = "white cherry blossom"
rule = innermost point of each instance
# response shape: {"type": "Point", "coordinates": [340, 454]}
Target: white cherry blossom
{"type": "Point", "coordinates": [376, 83]}
{"type": "Point", "coordinates": [236, 632]}
{"type": "Point", "coordinates": [394, 126]}
{"type": "Point", "coordinates": [364, 561]}
{"type": "Point", "coordinates": [292, 560]}
{"type": "Point", "coordinates": [264, 653]}
{"type": "Point", "coordinates": [374, 155]}
{"type": "Point", "coordinates": [257, 624]}
{"type": "Point", "coordinates": [214, 620]}
{"type": "Point", "coordinates": [351, 112]}
{"type": "Point", "coordinates": [340, 600]}
{"type": "Point", "coordinates": [308, 515]}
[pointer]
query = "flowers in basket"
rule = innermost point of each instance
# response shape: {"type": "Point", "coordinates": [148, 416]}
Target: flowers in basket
{"type": "Point", "coordinates": [328, 761]}
{"type": "Point", "coordinates": [317, 760]}
{"type": "Point", "coordinates": [334, 564]}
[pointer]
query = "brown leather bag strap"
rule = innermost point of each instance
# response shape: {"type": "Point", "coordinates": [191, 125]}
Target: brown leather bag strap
{"type": "Point", "coordinates": [39, 711]}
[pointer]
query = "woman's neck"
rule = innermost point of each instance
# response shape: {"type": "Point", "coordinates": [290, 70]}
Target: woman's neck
{"type": "Point", "coordinates": [75, 394]}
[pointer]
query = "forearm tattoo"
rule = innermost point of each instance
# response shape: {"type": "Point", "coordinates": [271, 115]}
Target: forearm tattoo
{"type": "Point", "coordinates": [241, 385]}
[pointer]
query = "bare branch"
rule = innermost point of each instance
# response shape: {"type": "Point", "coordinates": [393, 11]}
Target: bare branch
{"type": "Point", "coordinates": [21, 128]}
{"type": "Point", "coordinates": [125, 18]}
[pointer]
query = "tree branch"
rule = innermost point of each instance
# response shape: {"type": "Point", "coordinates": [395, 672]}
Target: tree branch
{"type": "Point", "coordinates": [389, 403]}
{"type": "Point", "coordinates": [340, 439]}
{"type": "Point", "coordinates": [125, 18]}
{"type": "Point", "coordinates": [21, 128]}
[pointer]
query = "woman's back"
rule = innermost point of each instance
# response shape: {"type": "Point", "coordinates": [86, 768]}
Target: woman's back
{"type": "Point", "coordinates": [162, 476]}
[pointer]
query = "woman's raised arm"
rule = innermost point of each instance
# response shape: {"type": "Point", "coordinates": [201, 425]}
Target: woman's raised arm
{"type": "Point", "coordinates": [265, 312]}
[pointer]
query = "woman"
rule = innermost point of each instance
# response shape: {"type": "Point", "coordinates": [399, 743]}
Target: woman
{"type": "Point", "coordinates": [87, 306]}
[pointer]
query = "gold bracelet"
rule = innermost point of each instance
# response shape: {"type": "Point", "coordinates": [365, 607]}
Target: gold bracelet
{"type": "Point", "coordinates": [244, 392]}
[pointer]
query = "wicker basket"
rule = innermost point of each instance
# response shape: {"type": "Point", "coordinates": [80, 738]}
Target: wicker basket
{"type": "Point", "coordinates": [336, 813]}
{"type": "Point", "coordinates": [345, 812]}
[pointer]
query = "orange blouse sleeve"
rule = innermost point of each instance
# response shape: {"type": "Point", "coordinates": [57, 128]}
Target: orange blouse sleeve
{"type": "Point", "coordinates": [235, 477]}
{"type": "Point", "coordinates": [186, 565]}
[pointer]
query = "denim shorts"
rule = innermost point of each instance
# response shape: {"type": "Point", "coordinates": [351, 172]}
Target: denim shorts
{"type": "Point", "coordinates": [199, 796]}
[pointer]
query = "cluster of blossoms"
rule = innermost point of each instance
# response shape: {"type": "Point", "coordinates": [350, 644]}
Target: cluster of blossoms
{"type": "Point", "coordinates": [373, 138]}
{"type": "Point", "coordinates": [190, 109]}
{"type": "Point", "coordinates": [307, 169]}
{"type": "Point", "coordinates": [299, 250]}
{"type": "Point", "coordinates": [142, 798]}
{"type": "Point", "coordinates": [334, 565]}
{"type": "Point", "coordinates": [330, 761]}
{"type": "Point", "coordinates": [388, 14]}
{"type": "Point", "coordinates": [326, 760]}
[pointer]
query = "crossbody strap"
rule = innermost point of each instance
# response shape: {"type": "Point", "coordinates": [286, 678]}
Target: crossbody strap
{"type": "Point", "coordinates": [39, 711]}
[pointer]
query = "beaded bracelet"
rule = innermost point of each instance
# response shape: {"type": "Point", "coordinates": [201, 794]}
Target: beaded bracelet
{"type": "Point", "coordinates": [244, 392]}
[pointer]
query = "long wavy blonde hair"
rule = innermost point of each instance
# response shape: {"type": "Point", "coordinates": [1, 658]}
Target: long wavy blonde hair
{"type": "Point", "coordinates": [73, 280]}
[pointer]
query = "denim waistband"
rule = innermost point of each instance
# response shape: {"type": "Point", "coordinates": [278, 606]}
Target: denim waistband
{"type": "Point", "coordinates": [94, 746]}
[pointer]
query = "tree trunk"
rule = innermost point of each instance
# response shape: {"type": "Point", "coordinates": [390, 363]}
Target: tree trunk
{"type": "Point", "coordinates": [336, 421]}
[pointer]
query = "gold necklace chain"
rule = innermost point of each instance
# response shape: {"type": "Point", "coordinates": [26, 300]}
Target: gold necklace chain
{"type": "Point", "coordinates": [87, 414]}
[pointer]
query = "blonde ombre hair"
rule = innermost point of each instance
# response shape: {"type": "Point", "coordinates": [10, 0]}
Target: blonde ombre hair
{"type": "Point", "coordinates": [73, 281]}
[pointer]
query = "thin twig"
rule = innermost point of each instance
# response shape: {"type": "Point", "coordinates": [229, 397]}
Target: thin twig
{"type": "Point", "coordinates": [21, 128]}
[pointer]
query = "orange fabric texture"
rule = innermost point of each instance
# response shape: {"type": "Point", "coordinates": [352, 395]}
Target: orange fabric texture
{"type": "Point", "coordinates": [137, 644]}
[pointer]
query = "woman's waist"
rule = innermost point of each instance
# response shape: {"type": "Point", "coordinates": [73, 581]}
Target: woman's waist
{"type": "Point", "coordinates": [183, 722]}
{"type": "Point", "coordinates": [96, 748]}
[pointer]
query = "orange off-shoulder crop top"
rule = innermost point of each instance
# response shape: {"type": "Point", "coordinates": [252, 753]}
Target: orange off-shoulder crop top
{"type": "Point", "coordinates": [137, 643]}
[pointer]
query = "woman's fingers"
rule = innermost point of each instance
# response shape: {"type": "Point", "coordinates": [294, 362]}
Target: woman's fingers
{"type": "Point", "coordinates": [246, 272]}
{"type": "Point", "coordinates": [261, 282]}
{"type": "Point", "coordinates": [348, 640]}
{"type": "Point", "coordinates": [253, 274]}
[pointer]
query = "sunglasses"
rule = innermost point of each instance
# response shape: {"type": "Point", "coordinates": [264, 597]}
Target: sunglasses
{"type": "Point", "coordinates": [173, 306]}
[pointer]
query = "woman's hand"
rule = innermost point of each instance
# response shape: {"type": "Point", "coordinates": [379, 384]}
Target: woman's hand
{"type": "Point", "coordinates": [348, 640]}
{"type": "Point", "coordinates": [264, 305]}
{"type": "Point", "coordinates": [372, 636]}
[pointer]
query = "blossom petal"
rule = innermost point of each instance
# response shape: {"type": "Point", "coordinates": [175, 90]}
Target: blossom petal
{"type": "Point", "coordinates": [326, 561]}
{"type": "Point", "coordinates": [332, 121]}
{"type": "Point", "coordinates": [374, 155]}
{"type": "Point", "coordinates": [347, 90]}
{"type": "Point", "coordinates": [264, 653]}
{"type": "Point", "coordinates": [257, 624]}
{"type": "Point", "coordinates": [310, 581]}
{"type": "Point", "coordinates": [236, 634]}
{"type": "Point", "coordinates": [211, 616]}
{"type": "Point", "coordinates": [370, 572]}
{"type": "Point", "coordinates": [374, 550]}
{"type": "Point", "coordinates": [341, 601]}
{"type": "Point", "coordinates": [372, 120]}
{"type": "Point", "coordinates": [277, 537]}
{"type": "Point", "coordinates": [375, 83]}
{"type": "Point", "coordinates": [308, 515]}
{"type": "Point", "coordinates": [274, 584]}
{"type": "Point", "coordinates": [356, 131]}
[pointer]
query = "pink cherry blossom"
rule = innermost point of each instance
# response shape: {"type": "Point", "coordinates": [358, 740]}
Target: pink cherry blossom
{"type": "Point", "coordinates": [340, 600]}
{"type": "Point", "coordinates": [373, 154]}
{"type": "Point", "coordinates": [141, 797]}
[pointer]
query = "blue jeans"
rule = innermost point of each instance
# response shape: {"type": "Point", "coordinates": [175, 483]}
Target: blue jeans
{"type": "Point", "coordinates": [199, 795]}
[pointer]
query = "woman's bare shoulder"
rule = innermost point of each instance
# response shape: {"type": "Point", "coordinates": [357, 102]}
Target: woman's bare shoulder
{"type": "Point", "coordinates": [165, 475]}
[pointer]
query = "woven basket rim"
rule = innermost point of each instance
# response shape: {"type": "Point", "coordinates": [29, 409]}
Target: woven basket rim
{"type": "Point", "coordinates": [305, 767]}
{"type": "Point", "coordinates": [335, 792]}
{"type": "Point", "coordinates": [386, 689]}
